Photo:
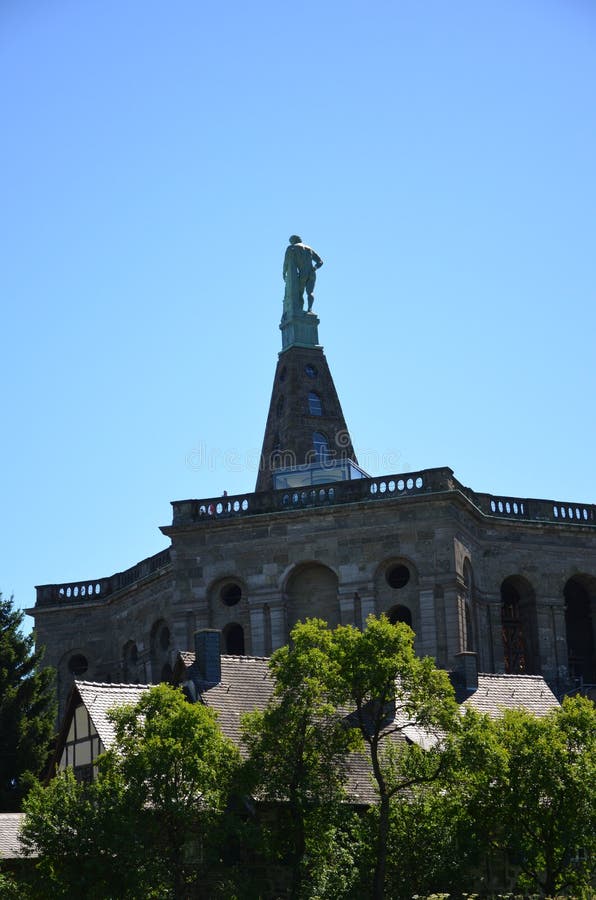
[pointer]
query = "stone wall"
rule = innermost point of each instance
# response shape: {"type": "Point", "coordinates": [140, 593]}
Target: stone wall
{"type": "Point", "coordinates": [458, 575]}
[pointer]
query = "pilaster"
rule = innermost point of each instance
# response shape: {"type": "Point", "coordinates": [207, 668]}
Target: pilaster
{"type": "Point", "coordinates": [427, 634]}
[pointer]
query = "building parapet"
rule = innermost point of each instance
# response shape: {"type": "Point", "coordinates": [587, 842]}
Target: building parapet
{"type": "Point", "coordinates": [331, 494]}
{"type": "Point", "coordinates": [376, 489]}
{"type": "Point", "coordinates": [424, 482]}
{"type": "Point", "coordinates": [536, 510]}
{"type": "Point", "coordinates": [98, 589]}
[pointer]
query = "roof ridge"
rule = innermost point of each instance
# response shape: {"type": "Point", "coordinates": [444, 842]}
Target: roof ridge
{"type": "Point", "coordinates": [245, 657]}
{"type": "Point", "coordinates": [510, 675]}
{"type": "Point", "coordinates": [113, 684]}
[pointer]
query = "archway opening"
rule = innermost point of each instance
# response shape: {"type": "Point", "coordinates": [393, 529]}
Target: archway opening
{"type": "Point", "coordinates": [580, 631]}
{"type": "Point", "coordinates": [518, 626]}
{"type": "Point", "coordinates": [233, 636]}
{"type": "Point", "coordinates": [400, 613]}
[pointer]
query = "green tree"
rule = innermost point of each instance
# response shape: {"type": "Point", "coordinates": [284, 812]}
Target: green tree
{"type": "Point", "coordinates": [153, 822]}
{"type": "Point", "coordinates": [546, 796]}
{"type": "Point", "coordinates": [395, 695]}
{"type": "Point", "coordinates": [429, 844]}
{"type": "Point", "coordinates": [27, 709]}
{"type": "Point", "coordinates": [298, 750]}
{"type": "Point", "coordinates": [89, 841]}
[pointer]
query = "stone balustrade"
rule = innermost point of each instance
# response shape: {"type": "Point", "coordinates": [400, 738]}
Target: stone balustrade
{"type": "Point", "coordinates": [424, 482]}
{"type": "Point", "coordinates": [377, 489]}
{"type": "Point", "coordinates": [536, 510]}
{"type": "Point", "coordinates": [97, 589]}
{"type": "Point", "coordinates": [187, 512]}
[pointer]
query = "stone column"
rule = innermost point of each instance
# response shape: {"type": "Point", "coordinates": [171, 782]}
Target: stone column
{"type": "Point", "coordinates": [257, 629]}
{"type": "Point", "coordinates": [278, 625]}
{"type": "Point", "coordinates": [552, 641]}
{"type": "Point", "coordinates": [426, 638]}
{"type": "Point", "coordinates": [367, 608]}
{"type": "Point", "coordinates": [494, 638]}
{"type": "Point", "coordinates": [454, 622]}
{"type": "Point", "coordinates": [262, 602]}
{"type": "Point", "coordinates": [346, 607]}
{"type": "Point", "coordinates": [191, 627]}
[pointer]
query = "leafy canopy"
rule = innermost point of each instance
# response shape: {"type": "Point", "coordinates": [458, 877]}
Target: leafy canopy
{"type": "Point", "coordinates": [27, 709]}
{"type": "Point", "coordinates": [152, 822]}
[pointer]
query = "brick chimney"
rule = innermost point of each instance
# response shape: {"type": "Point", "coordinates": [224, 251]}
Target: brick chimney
{"type": "Point", "coordinates": [208, 655]}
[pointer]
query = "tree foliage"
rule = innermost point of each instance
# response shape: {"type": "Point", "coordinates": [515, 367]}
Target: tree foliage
{"type": "Point", "coordinates": [27, 709]}
{"type": "Point", "coordinates": [153, 822]}
{"type": "Point", "coordinates": [160, 819]}
{"type": "Point", "coordinates": [394, 694]}
{"type": "Point", "coordinates": [298, 750]}
{"type": "Point", "coordinates": [547, 796]}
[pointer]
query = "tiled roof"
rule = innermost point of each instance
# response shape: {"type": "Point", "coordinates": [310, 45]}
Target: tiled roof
{"type": "Point", "coordinates": [99, 698]}
{"type": "Point", "coordinates": [497, 693]}
{"type": "Point", "coordinates": [245, 685]}
{"type": "Point", "coordinates": [10, 825]}
{"type": "Point", "coordinates": [187, 657]}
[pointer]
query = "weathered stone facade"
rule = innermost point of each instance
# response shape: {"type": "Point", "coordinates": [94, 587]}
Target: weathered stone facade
{"type": "Point", "coordinates": [419, 547]}
{"type": "Point", "coordinates": [512, 579]}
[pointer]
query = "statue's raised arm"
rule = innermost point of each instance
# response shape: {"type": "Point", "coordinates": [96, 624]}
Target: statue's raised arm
{"type": "Point", "coordinates": [299, 273]}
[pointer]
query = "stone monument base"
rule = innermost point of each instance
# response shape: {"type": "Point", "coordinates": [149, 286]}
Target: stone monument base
{"type": "Point", "coordinates": [301, 330]}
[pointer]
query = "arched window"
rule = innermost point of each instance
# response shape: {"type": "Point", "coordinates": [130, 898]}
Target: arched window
{"type": "Point", "coordinates": [233, 635]}
{"type": "Point", "coordinates": [519, 627]}
{"type": "Point", "coordinates": [78, 665]}
{"type": "Point", "coordinates": [160, 648]}
{"type": "Point", "coordinates": [514, 645]}
{"type": "Point", "coordinates": [321, 446]}
{"type": "Point", "coordinates": [580, 631]}
{"type": "Point", "coordinates": [130, 660]}
{"type": "Point", "coordinates": [400, 614]}
{"type": "Point", "coordinates": [315, 405]}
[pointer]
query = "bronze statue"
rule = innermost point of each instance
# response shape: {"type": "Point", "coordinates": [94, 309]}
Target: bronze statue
{"type": "Point", "coordinates": [300, 265]}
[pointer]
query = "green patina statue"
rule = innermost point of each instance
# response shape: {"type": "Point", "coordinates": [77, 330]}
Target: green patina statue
{"type": "Point", "coordinates": [300, 265]}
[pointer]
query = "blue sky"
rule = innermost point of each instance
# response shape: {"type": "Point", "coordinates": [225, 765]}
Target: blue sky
{"type": "Point", "coordinates": [155, 158]}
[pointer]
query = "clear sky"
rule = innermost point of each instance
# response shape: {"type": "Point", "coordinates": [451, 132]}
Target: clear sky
{"type": "Point", "coordinates": [154, 159]}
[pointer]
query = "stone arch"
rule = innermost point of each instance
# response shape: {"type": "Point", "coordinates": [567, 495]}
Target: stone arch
{"type": "Point", "coordinates": [160, 645]}
{"type": "Point", "coordinates": [519, 626]}
{"type": "Point", "coordinates": [228, 604]}
{"type": "Point", "coordinates": [396, 586]}
{"type": "Point", "coordinates": [400, 613]}
{"type": "Point", "coordinates": [580, 621]}
{"type": "Point", "coordinates": [233, 639]}
{"type": "Point", "coordinates": [311, 592]}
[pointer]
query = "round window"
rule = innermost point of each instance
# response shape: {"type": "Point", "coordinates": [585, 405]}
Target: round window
{"type": "Point", "coordinates": [77, 665]}
{"type": "Point", "coordinates": [231, 594]}
{"type": "Point", "coordinates": [311, 371]}
{"type": "Point", "coordinates": [397, 576]}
